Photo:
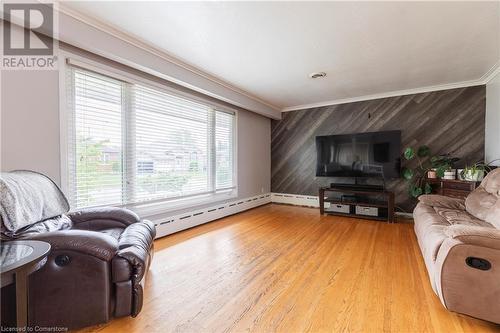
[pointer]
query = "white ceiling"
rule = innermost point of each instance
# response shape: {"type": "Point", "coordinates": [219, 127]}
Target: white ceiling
{"type": "Point", "coordinates": [268, 49]}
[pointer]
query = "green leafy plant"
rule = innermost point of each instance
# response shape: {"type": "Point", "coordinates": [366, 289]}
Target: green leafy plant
{"type": "Point", "coordinates": [417, 177]}
{"type": "Point", "coordinates": [476, 171]}
{"type": "Point", "coordinates": [442, 163]}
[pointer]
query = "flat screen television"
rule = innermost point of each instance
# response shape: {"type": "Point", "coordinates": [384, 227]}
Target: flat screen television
{"type": "Point", "coordinates": [375, 154]}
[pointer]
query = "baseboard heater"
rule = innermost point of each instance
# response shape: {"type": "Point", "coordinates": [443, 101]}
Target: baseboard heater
{"type": "Point", "coordinates": [172, 224]}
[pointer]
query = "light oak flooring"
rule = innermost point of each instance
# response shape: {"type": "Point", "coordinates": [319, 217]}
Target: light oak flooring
{"type": "Point", "coordinates": [287, 269]}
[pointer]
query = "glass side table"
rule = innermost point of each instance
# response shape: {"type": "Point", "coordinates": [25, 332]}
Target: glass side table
{"type": "Point", "coordinates": [18, 259]}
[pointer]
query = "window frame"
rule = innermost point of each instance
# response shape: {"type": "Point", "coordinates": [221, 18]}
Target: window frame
{"type": "Point", "coordinates": [152, 207]}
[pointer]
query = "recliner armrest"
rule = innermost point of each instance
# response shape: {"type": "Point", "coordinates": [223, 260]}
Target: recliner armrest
{"type": "Point", "coordinates": [475, 235]}
{"type": "Point", "coordinates": [442, 201]}
{"type": "Point", "coordinates": [87, 242]}
{"type": "Point", "coordinates": [136, 246]}
{"type": "Point", "coordinates": [92, 217]}
{"type": "Point", "coordinates": [466, 271]}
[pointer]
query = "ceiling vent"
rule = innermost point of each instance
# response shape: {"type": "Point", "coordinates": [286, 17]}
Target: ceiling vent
{"type": "Point", "coordinates": [317, 75]}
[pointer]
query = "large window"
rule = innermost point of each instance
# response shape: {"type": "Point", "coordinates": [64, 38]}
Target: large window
{"type": "Point", "coordinates": [131, 143]}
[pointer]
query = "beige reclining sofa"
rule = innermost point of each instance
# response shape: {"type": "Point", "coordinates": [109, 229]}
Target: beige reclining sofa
{"type": "Point", "coordinates": [460, 242]}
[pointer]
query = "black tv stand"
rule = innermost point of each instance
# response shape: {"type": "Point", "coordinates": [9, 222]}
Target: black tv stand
{"type": "Point", "coordinates": [352, 198]}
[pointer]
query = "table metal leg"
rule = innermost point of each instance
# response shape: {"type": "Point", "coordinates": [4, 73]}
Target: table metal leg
{"type": "Point", "coordinates": [22, 299]}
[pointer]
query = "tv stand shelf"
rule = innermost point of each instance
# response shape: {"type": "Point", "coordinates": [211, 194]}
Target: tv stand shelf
{"type": "Point", "coordinates": [368, 203]}
{"type": "Point", "coordinates": [384, 205]}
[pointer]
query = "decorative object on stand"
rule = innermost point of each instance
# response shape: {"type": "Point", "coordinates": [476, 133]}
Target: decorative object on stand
{"type": "Point", "coordinates": [430, 166]}
{"type": "Point", "coordinates": [432, 174]}
{"type": "Point", "coordinates": [450, 174]}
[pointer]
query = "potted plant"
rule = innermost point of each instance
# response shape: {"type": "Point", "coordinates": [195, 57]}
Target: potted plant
{"type": "Point", "coordinates": [428, 167]}
{"type": "Point", "coordinates": [450, 173]}
{"type": "Point", "coordinates": [476, 171]}
{"type": "Point", "coordinates": [444, 166]}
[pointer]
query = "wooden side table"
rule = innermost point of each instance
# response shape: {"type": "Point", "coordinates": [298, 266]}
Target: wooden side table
{"type": "Point", "coordinates": [452, 187]}
{"type": "Point", "coordinates": [18, 260]}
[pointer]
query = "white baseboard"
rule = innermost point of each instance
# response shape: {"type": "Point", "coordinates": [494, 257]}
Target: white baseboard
{"type": "Point", "coordinates": [404, 215]}
{"type": "Point", "coordinates": [295, 199]}
{"type": "Point", "coordinates": [171, 224]}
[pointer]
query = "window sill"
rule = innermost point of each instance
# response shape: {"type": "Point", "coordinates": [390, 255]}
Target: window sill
{"type": "Point", "coordinates": [145, 210]}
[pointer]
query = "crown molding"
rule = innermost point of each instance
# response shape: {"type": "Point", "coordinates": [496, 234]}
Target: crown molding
{"type": "Point", "coordinates": [488, 76]}
{"type": "Point", "coordinates": [148, 47]}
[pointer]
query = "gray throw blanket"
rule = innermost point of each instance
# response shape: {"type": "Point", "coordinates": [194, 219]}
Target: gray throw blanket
{"type": "Point", "coordinates": [27, 197]}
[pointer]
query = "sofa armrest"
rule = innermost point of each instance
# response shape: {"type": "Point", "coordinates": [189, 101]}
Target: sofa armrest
{"type": "Point", "coordinates": [136, 247]}
{"type": "Point", "coordinates": [435, 200]}
{"type": "Point", "coordinates": [475, 235]}
{"type": "Point", "coordinates": [86, 242]}
{"type": "Point", "coordinates": [105, 217]}
{"type": "Point", "coordinates": [464, 288]}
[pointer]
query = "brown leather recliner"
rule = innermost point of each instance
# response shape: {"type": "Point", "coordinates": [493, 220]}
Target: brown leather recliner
{"type": "Point", "coordinates": [98, 261]}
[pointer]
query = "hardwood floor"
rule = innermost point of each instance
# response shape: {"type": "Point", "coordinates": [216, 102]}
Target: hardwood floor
{"type": "Point", "coordinates": [288, 269]}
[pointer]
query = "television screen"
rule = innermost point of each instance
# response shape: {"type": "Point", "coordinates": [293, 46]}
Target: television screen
{"type": "Point", "coordinates": [375, 154]}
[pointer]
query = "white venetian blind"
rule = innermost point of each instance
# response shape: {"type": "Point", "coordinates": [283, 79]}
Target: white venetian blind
{"type": "Point", "coordinates": [224, 123]}
{"type": "Point", "coordinates": [96, 143]}
{"type": "Point", "coordinates": [172, 140]}
{"type": "Point", "coordinates": [130, 143]}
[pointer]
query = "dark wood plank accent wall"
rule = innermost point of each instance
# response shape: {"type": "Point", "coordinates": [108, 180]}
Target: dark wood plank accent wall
{"type": "Point", "coordinates": [448, 121]}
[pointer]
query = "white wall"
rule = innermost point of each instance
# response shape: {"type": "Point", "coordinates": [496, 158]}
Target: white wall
{"type": "Point", "coordinates": [30, 121]}
{"type": "Point", "coordinates": [492, 138]}
{"type": "Point", "coordinates": [254, 154]}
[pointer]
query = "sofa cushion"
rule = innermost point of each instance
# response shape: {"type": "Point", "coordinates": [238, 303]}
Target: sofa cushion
{"type": "Point", "coordinates": [454, 216]}
{"type": "Point", "coordinates": [431, 223]}
{"type": "Point", "coordinates": [442, 201]}
{"type": "Point", "coordinates": [113, 232]}
{"type": "Point", "coordinates": [429, 228]}
{"type": "Point", "coordinates": [484, 202]}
